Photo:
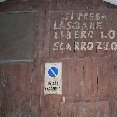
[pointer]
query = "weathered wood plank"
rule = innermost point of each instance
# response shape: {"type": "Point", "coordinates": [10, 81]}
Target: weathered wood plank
{"type": "Point", "coordinates": [104, 78]}
{"type": "Point", "coordinates": [76, 81]}
{"type": "Point", "coordinates": [90, 78]}
{"type": "Point", "coordinates": [88, 109]}
{"type": "Point", "coordinates": [16, 86]}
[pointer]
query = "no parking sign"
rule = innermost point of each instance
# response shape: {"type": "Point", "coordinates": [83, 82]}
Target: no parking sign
{"type": "Point", "coordinates": [53, 78]}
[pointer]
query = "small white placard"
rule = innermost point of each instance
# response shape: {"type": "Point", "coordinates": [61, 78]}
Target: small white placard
{"type": "Point", "coordinates": [53, 78]}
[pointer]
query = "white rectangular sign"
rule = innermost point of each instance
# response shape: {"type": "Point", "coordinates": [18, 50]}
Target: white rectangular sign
{"type": "Point", "coordinates": [53, 78]}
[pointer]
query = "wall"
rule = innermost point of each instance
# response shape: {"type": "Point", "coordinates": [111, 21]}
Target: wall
{"type": "Point", "coordinates": [89, 77]}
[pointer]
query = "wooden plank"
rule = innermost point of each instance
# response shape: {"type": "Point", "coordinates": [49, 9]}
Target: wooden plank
{"type": "Point", "coordinates": [104, 79]}
{"type": "Point", "coordinates": [36, 81]}
{"type": "Point", "coordinates": [7, 107]}
{"type": "Point", "coordinates": [76, 82]}
{"type": "Point", "coordinates": [113, 84]}
{"type": "Point", "coordinates": [81, 79]}
{"type": "Point", "coordinates": [65, 80]}
{"type": "Point", "coordinates": [100, 109]}
{"type": "Point", "coordinates": [49, 104]}
{"type": "Point", "coordinates": [88, 109]}
{"type": "Point", "coordinates": [16, 89]}
{"type": "Point", "coordinates": [90, 78]}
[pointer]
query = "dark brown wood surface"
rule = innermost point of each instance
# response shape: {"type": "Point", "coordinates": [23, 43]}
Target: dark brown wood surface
{"type": "Point", "coordinates": [15, 84]}
{"type": "Point", "coordinates": [89, 79]}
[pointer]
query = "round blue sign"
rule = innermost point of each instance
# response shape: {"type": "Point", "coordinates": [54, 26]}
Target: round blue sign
{"type": "Point", "coordinates": [53, 72]}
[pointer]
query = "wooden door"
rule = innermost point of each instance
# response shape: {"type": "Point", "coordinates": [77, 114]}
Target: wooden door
{"type": "Point", "coordinates": [79, 34]}
{"type": "Point", "coordinates": [87, 74]}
